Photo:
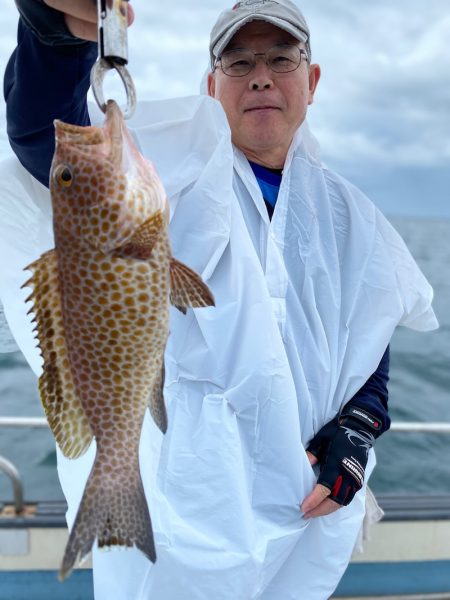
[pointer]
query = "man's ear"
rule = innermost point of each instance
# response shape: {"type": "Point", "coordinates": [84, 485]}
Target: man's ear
{"type": "Point", "coordinates": [211, 85]}
{"type": "Point", "coordinates": [314, 76]}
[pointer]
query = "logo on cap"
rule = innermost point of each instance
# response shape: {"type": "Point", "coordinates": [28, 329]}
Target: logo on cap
{"type": "Point", "coordinates": [252, 3]}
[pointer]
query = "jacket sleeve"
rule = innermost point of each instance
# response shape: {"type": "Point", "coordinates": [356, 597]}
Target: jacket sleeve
{"type": "Point", "coordinates": [44, 81]}
{"type": "Point", "coordinates": [373, 396]}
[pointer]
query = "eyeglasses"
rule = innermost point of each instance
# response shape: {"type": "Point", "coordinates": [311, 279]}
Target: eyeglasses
{"type": "Point", "coordinates": [283, 58]}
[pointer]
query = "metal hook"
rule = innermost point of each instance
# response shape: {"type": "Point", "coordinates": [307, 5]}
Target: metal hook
{"type": "Point", "coordinates": [113, 52]}
{"type": "Point", "coordinates": [98, 72]}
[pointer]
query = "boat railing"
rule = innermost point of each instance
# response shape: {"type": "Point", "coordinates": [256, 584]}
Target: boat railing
{"type": "Point", "coordinates": [403, 426]}
{"type": "Point", "coordinates": [9, 469]}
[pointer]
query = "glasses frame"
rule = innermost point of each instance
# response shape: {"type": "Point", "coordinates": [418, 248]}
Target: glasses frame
{"type": "Point", "coordinates": [302, 51]}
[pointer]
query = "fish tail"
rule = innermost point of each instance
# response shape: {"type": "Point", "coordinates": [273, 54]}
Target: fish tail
{"type": "Point", "coordinates": [114, 511]}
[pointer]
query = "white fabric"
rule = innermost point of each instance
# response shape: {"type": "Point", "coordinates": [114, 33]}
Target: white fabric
{"type": "Point", "coordinates": [306, 305]}
{"type": "Point", "coordinates": [7, 342]}
{"type": "Point", "coordinates": [374, 514]}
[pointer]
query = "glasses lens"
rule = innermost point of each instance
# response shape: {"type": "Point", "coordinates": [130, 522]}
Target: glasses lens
{"type": "Point", "coordinates": [237, 63]}
{"type": "Point", "coordinates": [283, 59]}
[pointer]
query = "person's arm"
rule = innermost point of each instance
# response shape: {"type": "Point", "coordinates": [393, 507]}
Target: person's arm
{"type": "Point", "coordinates": [47, 78]}
{"type": "Point", "coordinates": [341, 447]}
{"type": "Point", "coordinates": [373, 396]}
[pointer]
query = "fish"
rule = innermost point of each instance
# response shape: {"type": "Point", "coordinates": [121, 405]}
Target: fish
{"type": "Point", "coordinates": [101, 302]}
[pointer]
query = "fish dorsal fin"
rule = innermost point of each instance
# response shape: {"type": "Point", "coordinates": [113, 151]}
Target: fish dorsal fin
{"type": "Point", "coordinates": [143, 240]}
{"type": "Point", "coordinates": [61, 403]}
{"type": "Point", "coordinates": [187, 288]}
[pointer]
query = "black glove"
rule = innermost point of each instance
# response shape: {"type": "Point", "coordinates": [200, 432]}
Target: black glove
{"type": "Point", "coordinates": [342, 449]}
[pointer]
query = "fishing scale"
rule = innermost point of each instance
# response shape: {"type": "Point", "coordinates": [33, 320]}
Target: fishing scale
{"type": "Point", "coordinates": [113, 52]}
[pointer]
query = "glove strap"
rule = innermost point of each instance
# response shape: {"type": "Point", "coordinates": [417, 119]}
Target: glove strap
{"type": "Point", "coordinates": [362, 417]}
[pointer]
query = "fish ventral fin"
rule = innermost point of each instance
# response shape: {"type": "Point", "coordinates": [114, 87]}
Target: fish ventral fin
{"type": "Point", "coordinates": [156, 401]}
{"type": "Point", "coordinates": [187, 289]}
{"type": "Point", "coordinates": [140, 245]}
{"type": "Point", "coordinates": [61, 403]}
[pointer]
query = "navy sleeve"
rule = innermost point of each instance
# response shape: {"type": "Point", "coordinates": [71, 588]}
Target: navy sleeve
{"type": "Point", "coordinates": [373, 396]}
{"type": "Point", "coordinates": [43, 83]}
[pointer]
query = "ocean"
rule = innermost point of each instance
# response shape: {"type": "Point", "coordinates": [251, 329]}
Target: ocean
{"type": "Point", "coordinates": [419, 391]}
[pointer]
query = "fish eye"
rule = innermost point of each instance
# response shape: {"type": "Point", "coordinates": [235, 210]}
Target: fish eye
{"type": "Point", "coordinates": [63, 175]}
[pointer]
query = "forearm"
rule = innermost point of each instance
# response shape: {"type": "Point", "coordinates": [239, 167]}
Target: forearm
{"type": "Point", "coordinates": [42, 83]}
{"type": "Point", "coordinates": [342, 445]}
{"type": "Point", "coordinates": [373, 396]}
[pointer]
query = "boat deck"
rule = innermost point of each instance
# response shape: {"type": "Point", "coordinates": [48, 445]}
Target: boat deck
{"type": "Point", "coordinates": [408, 557]}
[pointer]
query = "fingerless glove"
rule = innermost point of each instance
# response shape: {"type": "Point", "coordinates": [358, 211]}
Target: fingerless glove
{"type": "Point", "coordinates": [342, 449]}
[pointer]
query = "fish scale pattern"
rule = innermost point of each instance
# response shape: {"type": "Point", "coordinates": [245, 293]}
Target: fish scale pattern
{"type": "Point", "coordinates": [101, 302]}
{"type": "Point", "coordinates": [102, 315]}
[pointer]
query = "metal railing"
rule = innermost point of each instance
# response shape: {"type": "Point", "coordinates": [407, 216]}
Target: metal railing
{"type": "Point", "coordinates": [417, 427]}
{"type": "Point", "coordinates": [403, 426]}
{"type": "Point", "coordinates": [10, 471]}
{"type": "Point", "coordinates": [40, 422]}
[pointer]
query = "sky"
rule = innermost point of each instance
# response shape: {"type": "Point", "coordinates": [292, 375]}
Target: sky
{"type": "Point", "coordinates": [382, 108]}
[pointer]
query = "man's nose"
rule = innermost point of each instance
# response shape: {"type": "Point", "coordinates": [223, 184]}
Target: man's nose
{"type": "Point", "coordinates": [261, 78]}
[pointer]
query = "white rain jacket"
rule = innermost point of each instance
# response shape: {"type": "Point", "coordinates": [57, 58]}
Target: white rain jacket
{"type": "Point", "coordinates": [306, 305]}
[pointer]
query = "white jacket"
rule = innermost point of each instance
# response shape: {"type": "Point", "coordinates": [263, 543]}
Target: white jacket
{"type": "Point", "coordinates": [306, 306]}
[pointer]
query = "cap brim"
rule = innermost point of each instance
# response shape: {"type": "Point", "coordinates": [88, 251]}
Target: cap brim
{"type": "Point", "coordinates": [223, 42]}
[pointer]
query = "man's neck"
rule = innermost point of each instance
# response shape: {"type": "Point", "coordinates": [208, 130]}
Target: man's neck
{"type": "Point", "coordinates": [270, 159]}
{"type": "Point", "coordinates": [261, 168]}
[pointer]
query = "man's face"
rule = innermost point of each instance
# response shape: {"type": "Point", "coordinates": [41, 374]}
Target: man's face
{"type": "Point", "coordinates": [264, 109]}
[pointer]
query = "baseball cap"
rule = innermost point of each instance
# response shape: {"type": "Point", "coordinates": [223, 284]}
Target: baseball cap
{"type": "Point", "coordinates": [281, 13]}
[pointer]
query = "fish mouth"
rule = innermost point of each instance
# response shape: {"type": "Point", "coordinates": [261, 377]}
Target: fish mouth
{"type": "Point", "coordinates": [77, 134]}
{"type": "Point", "coordinates": [108, 138]}
{"type": "Point", "coordinates": [114, 130]}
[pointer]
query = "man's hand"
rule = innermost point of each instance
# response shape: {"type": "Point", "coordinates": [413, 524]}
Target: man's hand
{"type": "Point", "coordinates": [81, 16]}
{"type": "Point", "coordinates": [317, 504]}
{"type": "Point", "coordinates": [342, 448]}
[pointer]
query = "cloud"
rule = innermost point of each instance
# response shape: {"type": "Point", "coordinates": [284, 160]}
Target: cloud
{"type": "Point", "coordinates": [383, 96]}
{"type": "Point", "coordinates": [382, 103]}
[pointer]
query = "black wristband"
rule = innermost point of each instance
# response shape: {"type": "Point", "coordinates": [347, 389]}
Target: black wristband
{"type": "Point", "coordinates": [47, 23]}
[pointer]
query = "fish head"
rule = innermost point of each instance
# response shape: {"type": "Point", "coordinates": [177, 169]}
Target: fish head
{"type": "Point", "coordinates": [102, 188]}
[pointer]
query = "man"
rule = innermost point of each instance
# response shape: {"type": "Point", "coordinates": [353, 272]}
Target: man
{"type": "Point", "coordinates": [310, 282]}
{"type": "Point", "coordinates": [266, 102]}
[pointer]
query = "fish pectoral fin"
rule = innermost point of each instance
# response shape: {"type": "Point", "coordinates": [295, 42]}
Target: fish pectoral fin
{"type": "Point", "coordinates": [61, 403]}
{"type": "Point", "coordinates": [156, 402]}
{"type": "Point", "coordinates": [187, 289]}
{"type": "Point", "coordinates": [140, 245]}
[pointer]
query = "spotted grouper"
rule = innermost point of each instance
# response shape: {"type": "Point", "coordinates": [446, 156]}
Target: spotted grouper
{"type": "Point", "coordinates": [101, 303]}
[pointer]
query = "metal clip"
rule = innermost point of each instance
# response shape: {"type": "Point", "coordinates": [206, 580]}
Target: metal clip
{"type": "Point", "coordinates": [98, 72]}
{"type": "Point", "coordinates": [113, 52]}
{"type": "Point", "coordinates": [112, 31]}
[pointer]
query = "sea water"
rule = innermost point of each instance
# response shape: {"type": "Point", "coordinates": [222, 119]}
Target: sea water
{"type": "Point", "coordinates": [419, 391]}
